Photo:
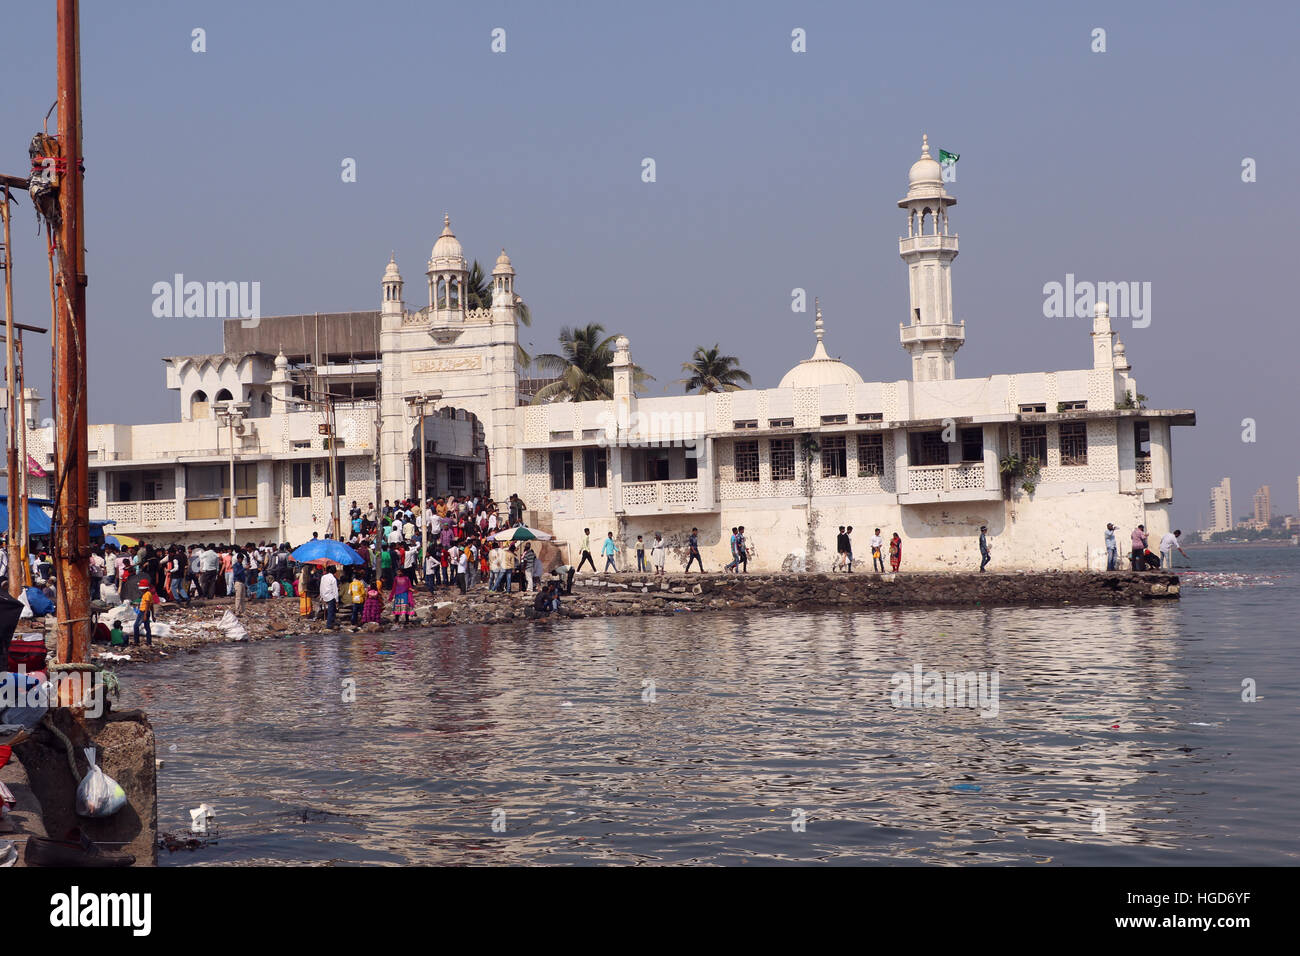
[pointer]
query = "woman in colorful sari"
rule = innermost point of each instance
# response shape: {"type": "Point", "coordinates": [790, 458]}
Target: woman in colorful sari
{"type": "Point", "coordinates": [403, 610]}
{"type": "Point", "coordinates": [895, 551]}
{"type": "Point", "coordinates": [304, 599]}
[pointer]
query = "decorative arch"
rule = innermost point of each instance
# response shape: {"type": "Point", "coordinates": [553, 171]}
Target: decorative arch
{"type": "Point", "coordinates": [199, 407]}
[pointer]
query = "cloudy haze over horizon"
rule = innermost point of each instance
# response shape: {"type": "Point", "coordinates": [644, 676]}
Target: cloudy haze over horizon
{"type": "Point", "coordinates": [775, 170]}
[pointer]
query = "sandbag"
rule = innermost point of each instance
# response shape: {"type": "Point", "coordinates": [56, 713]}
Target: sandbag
{"type": "Point", "coordinates": [99, 795]}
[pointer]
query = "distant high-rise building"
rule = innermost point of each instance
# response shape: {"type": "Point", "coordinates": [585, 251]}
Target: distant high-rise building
{"type": "Point", "coordinates": [1263, 507]}
{"type": "Point", "coordinates": [1221, 506]}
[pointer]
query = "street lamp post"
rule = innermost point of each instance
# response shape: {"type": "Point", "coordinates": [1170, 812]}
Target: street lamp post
{"type": "Point", "coordinates": [419, 404]}
{"type": "Point", "coordinates": [231, 415]}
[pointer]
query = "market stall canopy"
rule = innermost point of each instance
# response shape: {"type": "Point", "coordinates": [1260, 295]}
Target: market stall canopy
{"type": "Point", "coordinates": [521, 533]}
{"type": "Point", "coordinates": [38, 522]}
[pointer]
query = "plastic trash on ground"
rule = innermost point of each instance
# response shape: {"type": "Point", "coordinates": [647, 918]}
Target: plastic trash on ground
{"type": "Point", "coordinates": [201, 818]}
{"type": "Point", "coordinates": [124, 613]}
{"type": "Point", "coordinates": [99, 794]}
{"type": "Point", "coordinates": [231, 628]}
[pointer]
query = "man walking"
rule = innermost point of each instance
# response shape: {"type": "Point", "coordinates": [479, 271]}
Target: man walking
{"type": "Point", "coordinates": [584, 550]}
{"type": "Point", "coordinates": [848, 542]}
{"type": "Point", "coordinates": [1139, 539]}
{"type": "Point", "coordinates": [742, 551]}
{"type": "Point", "coordinates": [877, 552]}
{"type": "Point", "coordinates": [693, 550]}
{"type": "Point", "coordinates": [607, 549]}
{"type": "Point", "coordinates": [984, 547]}
{"type": "Point", "coordinates": [734, 559]}
{"type": "Point", "coordinates": [841, 550]}
{"type": "Point", "coordinates": [1168, 544]}
{"type": "Point", "coordinates": [658, 551]}
{"type": "Point", "coordinates": [1112, 549]}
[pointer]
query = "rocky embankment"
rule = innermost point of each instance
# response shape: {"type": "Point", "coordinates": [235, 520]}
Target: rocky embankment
{"type": "Point", "coordinates": [188, 628]}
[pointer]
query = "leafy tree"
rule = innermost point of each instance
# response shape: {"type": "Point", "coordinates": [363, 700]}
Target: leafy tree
{"type": "Point", "coordinates": [710, 371]}
{"type": "Point", "coordinates": [581, 367]}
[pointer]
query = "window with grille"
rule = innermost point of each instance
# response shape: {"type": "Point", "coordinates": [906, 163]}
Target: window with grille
{"type": "Point", "coordinates": [594, 467]}
{"type": "Point", "coordinates": [1033, 442]}
{"type": "Point", "coordinates": [561, 471]}
{"type": "Point", "coordinates": [834, 419]}
{"type": "Point", "coordinates": [871, 456]}
{"type": "Point", "coordinates": [782, 451]}
{"type": "Point", "coordinates": [1071, 406]}
{"type": "Point", "coordinates": [835, 457]}
{"type": "Point", "coordinates": [780, 423]}
{"type": "Point", "coordinates": [747, 461]}
{"type": "Point", "coordinates": [1033, 409]}
{"type": "Point", "coordinates": [745, 423]}
{"type": "Point", "coordinates": [870, 416]}
{"type": "Point", "coordinates": [1074, 443]}
{"type": "Point", "coordinates": [928, 448]}
{"type": "Point", "coordinates": [456, 476]}
{"type": "Point", "coordinates": [92, 490]}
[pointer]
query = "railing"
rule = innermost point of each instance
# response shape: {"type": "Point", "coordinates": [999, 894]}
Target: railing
{"type": "Point", "coordinates": [141, 512]}
{"type": "Point", "coordinates": [1143, 471]}
{"type": "Point", "coordinates": [963, 477]}
{"type": "Point", "coordinates": [662, 494]}
{"type": "Point", "coordinates": [931, 331]}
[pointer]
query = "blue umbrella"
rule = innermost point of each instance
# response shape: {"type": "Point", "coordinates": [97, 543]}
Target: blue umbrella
{"type": "Point", "coordinates": [325, 551]}
{"type": "Point", "coordinates": [109, 539]}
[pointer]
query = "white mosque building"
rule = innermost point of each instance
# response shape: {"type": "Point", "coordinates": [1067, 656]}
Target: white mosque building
{"type": "Point", "coordinates": [1044, 459]}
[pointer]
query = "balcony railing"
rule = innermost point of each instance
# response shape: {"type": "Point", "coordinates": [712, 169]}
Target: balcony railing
{"type": "Point", "coordinates": [968, 476]}
{"type": "Point", "coordinates": [1143, 468]}
{"type": "Point", "coordinates": [664, 495]}
{"type": "Point", "coordinates": [138, 513]}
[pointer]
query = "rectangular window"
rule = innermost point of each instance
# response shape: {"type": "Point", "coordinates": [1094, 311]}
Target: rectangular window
{"type": "Point", "coordinates": [871, 416]}
{"type": "Point", "coordinates": [871, 456]}
{"type": "Point", "coordinates": [562, 436]}
{"type": "Point", "coordinates": [456, 477]}
{"type": "Point", "coordinates": [300, 479]}
{"type": "Point", "coordinates": [595, 463]}
{"type": "Point", "coordinates": [1033, 443]}
{"type": "Point", "coordinates": [92, 490]}
{"type": "Point", "coordinates": [972, 444]}
{"type": "Point", "coordinates": [1032, 409]}
{"type": "Point", "coordinates": [692, 466]}
{"type": "Point", "coordinates": [928, 448]}
{"type": "Point", "coordinates": [561, 471]}
{"type": "Point", "coordinates": [301, 445]}
{"type": "Point", "coordinates": [835, 457]}
{"type": "Point", "coordinates": [780, 423]}
{"type": "Point", "coordinates": [745, 423]}
{"type": "Point", "coordinates": [1141, 439]}
{"type": "Point", "coordinates": [834, 419]}
{"type": "Point", "coordinates": [1074, 443]}
{"type": "Point", "coordinates": [656, 465]}
{"type": "Point", "coordinates": [1071, 406]}
{"type": "Point", "coordinates": [747, 461]}
{"type": "Point", "coordinates": [782, 454]}
{"type": "Point", "coordinates": [341, 473]}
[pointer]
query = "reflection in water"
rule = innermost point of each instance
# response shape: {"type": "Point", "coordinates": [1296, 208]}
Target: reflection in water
{"type": "Point", "coordinates": [1130, 711]}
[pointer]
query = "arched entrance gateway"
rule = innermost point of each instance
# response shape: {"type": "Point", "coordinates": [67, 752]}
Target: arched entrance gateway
{"type": "Point", "coordinates": [455, 455]}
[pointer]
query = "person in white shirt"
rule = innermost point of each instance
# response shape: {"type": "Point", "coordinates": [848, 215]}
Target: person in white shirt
{"type": "Point", "coordinates": [1169, 544]}
{"type": "Point", "coordinates": [877, 552]}
{"type": "Point", "coordinates": [658, 551]}
{"type": "Point", "coordinates": [462, 568]}
{"type": "Point", "coordinates": [329, 595]}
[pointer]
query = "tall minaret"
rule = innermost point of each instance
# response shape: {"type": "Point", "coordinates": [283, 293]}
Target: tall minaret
{"type": "Point", "coordinates": [930, 335]}
{"type": "Point", "coordinates": [448, 276]}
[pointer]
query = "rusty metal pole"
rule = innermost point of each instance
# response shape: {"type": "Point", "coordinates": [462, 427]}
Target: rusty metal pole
{"type": "Point", "coordinates": [72, 543]}
{"type": "Point", "coordinates": [24, 470]}
{"type": "Point", "coordinates": [11, 412]}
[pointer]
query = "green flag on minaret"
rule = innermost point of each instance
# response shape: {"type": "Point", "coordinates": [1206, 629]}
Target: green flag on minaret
{"type": "Point", "coordinates": [946, 157]}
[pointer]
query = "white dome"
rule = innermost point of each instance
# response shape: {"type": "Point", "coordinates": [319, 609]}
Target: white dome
{"type": "Point", "coordinates": [821, 369]}
{"type": "Point", "coordinates": [447, 252]}
{"type": "Point", "coordinates": [925, 171]}
{"type": "Point", "coordinates": [503, 266]}
{"type": "Point", "coordinates": [391, 271]}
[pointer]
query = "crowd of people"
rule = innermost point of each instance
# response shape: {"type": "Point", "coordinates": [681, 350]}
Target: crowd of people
{"type": "Point", "coordinates": [448, 543]}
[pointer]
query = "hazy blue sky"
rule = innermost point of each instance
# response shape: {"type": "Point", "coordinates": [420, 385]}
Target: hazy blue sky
{"type": "Point", "coordinates": [775, 170]}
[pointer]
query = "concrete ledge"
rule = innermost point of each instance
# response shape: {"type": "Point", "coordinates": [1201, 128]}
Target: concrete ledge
{"type": "Point", "coordinates": [920, 589]}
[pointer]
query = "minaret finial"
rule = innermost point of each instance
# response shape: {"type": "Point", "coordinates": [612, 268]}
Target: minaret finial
{"type": "Point", "coordinates": [446, 221]}
{"type": "Point", "coordinates": [819, 326]}
{"type": "Point", "coordinates": [925, 146]}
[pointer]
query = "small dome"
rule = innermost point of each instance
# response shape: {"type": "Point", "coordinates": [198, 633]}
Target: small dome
{"type": "Point", "coordinates": [622, 344]}
{"type": "Point", "coordinates": [281, 361]}
{"type": "Point", "coordinates": [821, 369]}
{"type": "Point", "coordinates": [1101, 308]}
{"type": "Point", "coordinates": [447, 252]}
{"type": "Point", "coordinates": [503, 266]}
{"type": "Point", "coordinates": [925, 171]}
{"type": "Point", "coordinates": [391, 272]}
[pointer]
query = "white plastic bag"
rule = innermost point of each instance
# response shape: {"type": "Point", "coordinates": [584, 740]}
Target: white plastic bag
{"type": "Point", "coordinates": [124, 613]}
{"type": "Point", "coordinates": [99, 794]}
{"type": "Point", "coordinates": [231, 628]}
{"type": "Point", "coordinates": [109, 594]}
{"type": "Point", "coordinates": [27, 608]}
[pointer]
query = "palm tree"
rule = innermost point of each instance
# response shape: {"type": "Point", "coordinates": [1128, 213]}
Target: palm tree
{"type": "Point", "coordinates": [710, 372]}
{"type": "Point", "coordinates": [581, 368]}
{"type": "Point", "coordinates": [478, 295]}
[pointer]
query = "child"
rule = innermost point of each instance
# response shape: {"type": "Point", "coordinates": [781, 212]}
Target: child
{"type": "Point", "coordinates": [117, 637]}
{"type": "Point", "coordinates": [357, 592]}
{"type": "Point", "coordinates": [143, 614]}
